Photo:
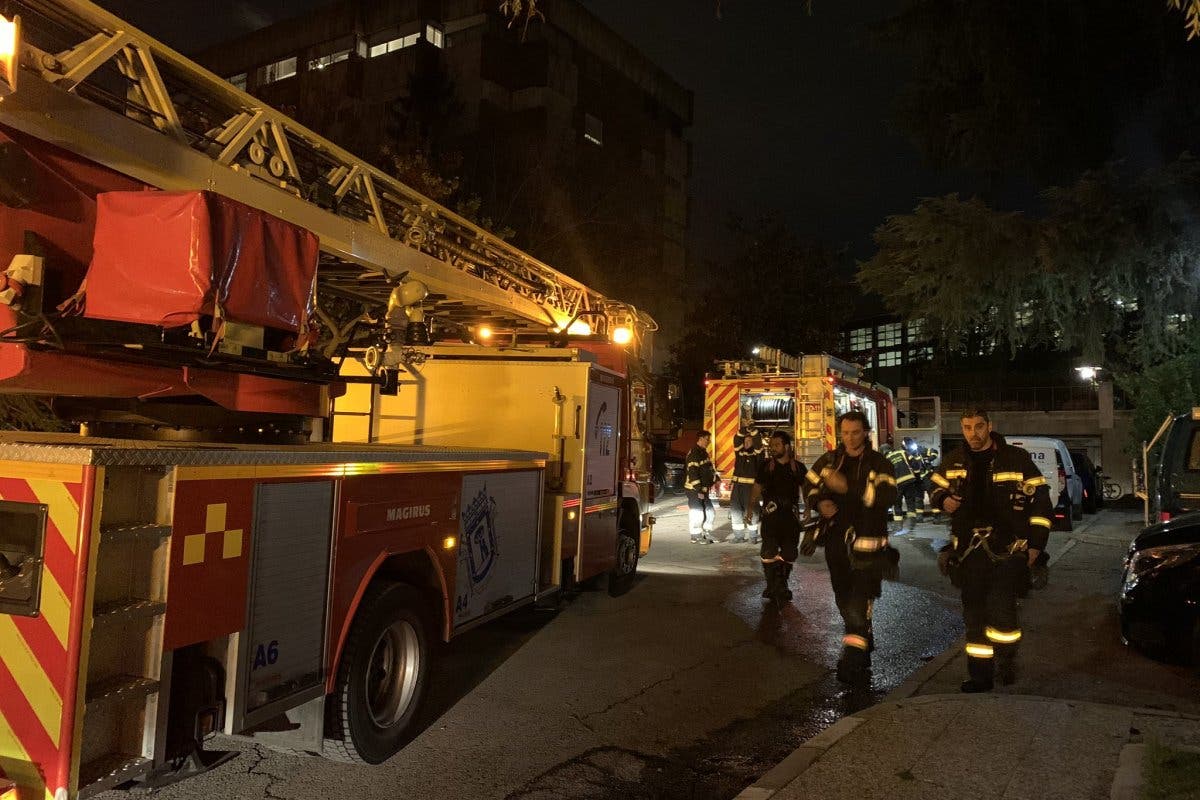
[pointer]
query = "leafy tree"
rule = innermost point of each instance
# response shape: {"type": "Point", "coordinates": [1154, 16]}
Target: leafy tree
{"type": "Point", "coordinates": [1110, 269]}
{"type": "Point", "coordinates": [1191, 13]}
{"type": "Point", "coordinates": [775, 290]}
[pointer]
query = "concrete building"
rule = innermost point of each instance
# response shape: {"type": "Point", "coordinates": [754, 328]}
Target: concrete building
{"type": "Point", "coordinates": [565, 133]}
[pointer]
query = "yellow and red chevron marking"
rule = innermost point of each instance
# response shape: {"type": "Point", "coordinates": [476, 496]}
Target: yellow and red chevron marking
{"type": "Point", "coordinates": [39, 656]}
{"type": "Point", "coordinates": [722, 405]}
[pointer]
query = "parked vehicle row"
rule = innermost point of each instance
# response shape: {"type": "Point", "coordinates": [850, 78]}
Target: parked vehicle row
{"type": "Point", "coordinates": [1056, 465]}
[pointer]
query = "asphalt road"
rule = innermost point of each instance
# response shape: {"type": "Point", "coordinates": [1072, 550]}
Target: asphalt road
{"type": "Point", "coordinates": [687, 686]}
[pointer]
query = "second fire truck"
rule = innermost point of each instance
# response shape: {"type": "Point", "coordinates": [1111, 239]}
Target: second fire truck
{"type": "Point", "coordinates": [801, 395]}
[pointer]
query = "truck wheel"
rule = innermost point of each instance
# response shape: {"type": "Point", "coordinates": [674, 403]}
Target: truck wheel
{"type": "Point", "coordinates": [620, 579]}
{"type": "Point", "coordinates": [381, 679]}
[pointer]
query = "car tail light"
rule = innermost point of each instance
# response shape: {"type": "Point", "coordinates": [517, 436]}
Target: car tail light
{"type": "Point", "coordinates": [1164, 516]}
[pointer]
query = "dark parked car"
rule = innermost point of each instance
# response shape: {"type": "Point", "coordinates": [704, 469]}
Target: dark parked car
{"type": "Point", "coordinates": [1160, 590]}
{"type": "Point", "coordinates": [1093, 487]}
{"type": "Point", "coordinates": [1175, 480]}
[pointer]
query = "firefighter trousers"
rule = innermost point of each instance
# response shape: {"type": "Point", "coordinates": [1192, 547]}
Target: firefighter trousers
{"type": "Point", "coordinates": [854, 592]}
{"type": "Point", "coordinates": [989, 602]}
{"type": "Point", "coordinates": [701, 516]}
{"type": "Point", "coordinates": [739, 503]}
{"type": "Point", "coordinates": [912, 493]}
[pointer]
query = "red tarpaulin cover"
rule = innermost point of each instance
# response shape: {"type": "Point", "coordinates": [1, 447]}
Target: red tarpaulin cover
{"type": "Point", "coordinates": [166, 258]}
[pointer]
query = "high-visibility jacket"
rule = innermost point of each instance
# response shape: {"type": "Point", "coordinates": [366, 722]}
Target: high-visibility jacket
{"type": "Point", "coordinates": [870, 493]}
{"type": "Point", "coordinates": [901, 467]}
{"type": "Point", "coordinates": [1016, 499]}
{"type": "Point", "coordinates": [701, 474]}
{"type": "Point", "coordinates": [748, 450]}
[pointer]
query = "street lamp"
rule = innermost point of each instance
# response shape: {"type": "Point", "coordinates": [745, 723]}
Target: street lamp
{"type": "Point", "coordinates": [1087, 373]}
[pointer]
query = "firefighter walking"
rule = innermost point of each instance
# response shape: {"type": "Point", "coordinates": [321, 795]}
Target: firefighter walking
{"type": "Point", "coordinates": [701, 475]}
{"type": "Point", "coordinates": [777, 486]}
{"type": "Point", "coordinates": [748, 447]}
{"type": "Point", "coordinates": [999, 505]}
{"type": "Point", "coordinates": [852, 488]}
{"type": "Point", "coordinates": [910, 490]}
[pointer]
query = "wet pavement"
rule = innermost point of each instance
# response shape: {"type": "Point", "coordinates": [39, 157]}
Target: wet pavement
{"type": "Point", "coordinates": [1081, 698]}
{"type": "Point", "coordinates": [915, 624]}
{"type": "Point", "coordinates": [687, 686]}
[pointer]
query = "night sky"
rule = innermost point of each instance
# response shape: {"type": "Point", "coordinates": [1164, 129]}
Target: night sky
{"type": "Point", "coordinates": [791, 110]}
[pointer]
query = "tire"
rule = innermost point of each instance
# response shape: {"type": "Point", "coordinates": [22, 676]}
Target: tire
{"type": "Point", "coordinates": [1090, 503]}
{"type": "Point", "coordinates": [1077, 512]}
{"type": "Point", "coordinates": [1068, 518]}
{"type": "Point", "coordinates": [1112, 490]}
{"type": "Point", "coordinates": [381, 679]}
{"type": "Point", "coordinates": [621, 577]}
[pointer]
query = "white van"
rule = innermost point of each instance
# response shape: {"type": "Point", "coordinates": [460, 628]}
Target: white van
{"type": "Point", "coordinates": [1066, 486]}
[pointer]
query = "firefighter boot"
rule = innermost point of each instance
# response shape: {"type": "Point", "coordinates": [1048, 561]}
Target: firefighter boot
{"type": "Point", "coordinates": [782, 593]}
{"type": "Point", "coordinates": [981, 672]}
{"type": "Point", "coordinates": [769, 573]}
{"type": "Point", "coordinates": [1006, 666]}
{"type": "Point", "coordinates": [854, 666]}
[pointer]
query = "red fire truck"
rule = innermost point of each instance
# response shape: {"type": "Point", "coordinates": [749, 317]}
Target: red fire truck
{"type": "Point", "coordinates": [320, 420]}
{"type": "Point", "coordinates": [801, 395]}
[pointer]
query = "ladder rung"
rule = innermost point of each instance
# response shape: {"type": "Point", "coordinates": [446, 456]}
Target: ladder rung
{"type": "Point", "coordinates": [110, 770]}
{"type": "Point", "coordinates": [134, 529]}
{"type": "Point", "coordinates": [120, 687]}
{"type": "Point", "coordinates": [125, 610]}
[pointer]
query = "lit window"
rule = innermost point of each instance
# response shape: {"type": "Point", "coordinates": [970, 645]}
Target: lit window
{"type": "Point", "coordinates": [1178, 323]}
{"type": "Point", "coordinates": [860, 339]}
{"type": "Point", "coordinates": [434, 35]}
{"type": "Point", "coordinates": [325, 61]}
{"type": "Point", "coordinates": [891, 358]}
{"type": "Point", "coordinates": [889, 335]}
{"type": "Point", "coordinates": [920, 354]}
{"type": "Point", "coordinates": [393, 45]}
{"type": "Point", "coordinates": [239, 81]}
{"type": "Point", "coordinates": [284, 68]}
{"type": "Point", "coordinates": [916, 330]}
{"type": "Point", "coordinates": [593, 129]}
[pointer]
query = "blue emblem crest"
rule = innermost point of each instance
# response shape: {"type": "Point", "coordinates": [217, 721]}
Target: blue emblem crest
{"type": "Point", "coordinates": [479, 537]}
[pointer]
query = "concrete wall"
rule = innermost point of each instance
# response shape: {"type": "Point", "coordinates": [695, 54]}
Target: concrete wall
{"type": "Point", "coordinates": [1079, 429]}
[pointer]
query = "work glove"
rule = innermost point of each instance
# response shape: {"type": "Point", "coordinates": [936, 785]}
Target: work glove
{"type": "Point", "coordinates": [1039, 573]}
{"type": "Point", "coordinates": [891, 563]}
{"type": "Point", "coordinates": [808, 544]}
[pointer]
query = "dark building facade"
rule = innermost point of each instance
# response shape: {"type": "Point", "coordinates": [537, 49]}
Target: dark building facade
{"type": "Point", "coordinates": [563, 132]}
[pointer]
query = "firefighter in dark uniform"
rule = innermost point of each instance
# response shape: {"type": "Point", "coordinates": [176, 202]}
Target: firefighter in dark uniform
{"type": "Point", "coordinates": [908, 483]}
{"type": "Point", "coordinates": [778, 485]}
{"type": "Point", "coordinates": [698, 484]}
{"type": "Point", "coordinates": [852, 488]}
{"type": "Point", "coordinates": [748, 450]}
{"type": "Point", "coordinates": [999, 505]}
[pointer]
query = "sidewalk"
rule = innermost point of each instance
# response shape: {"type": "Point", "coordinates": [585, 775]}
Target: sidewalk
{"type": "Point", "coordinates": [1059, 732]}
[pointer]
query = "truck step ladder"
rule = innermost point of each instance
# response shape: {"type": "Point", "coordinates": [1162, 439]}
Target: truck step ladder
{"type": "Point", "coordinates": [126, 669]}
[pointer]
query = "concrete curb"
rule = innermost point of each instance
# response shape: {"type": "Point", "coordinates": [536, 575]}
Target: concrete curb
{"type": "Point", "coordinates": [803, 757]}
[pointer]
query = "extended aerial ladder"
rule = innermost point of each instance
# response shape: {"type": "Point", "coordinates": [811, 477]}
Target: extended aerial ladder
{"type": "Point", "coordinates": [89, 83]}
{"type": "Point", "coordinates": [134, 596]}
